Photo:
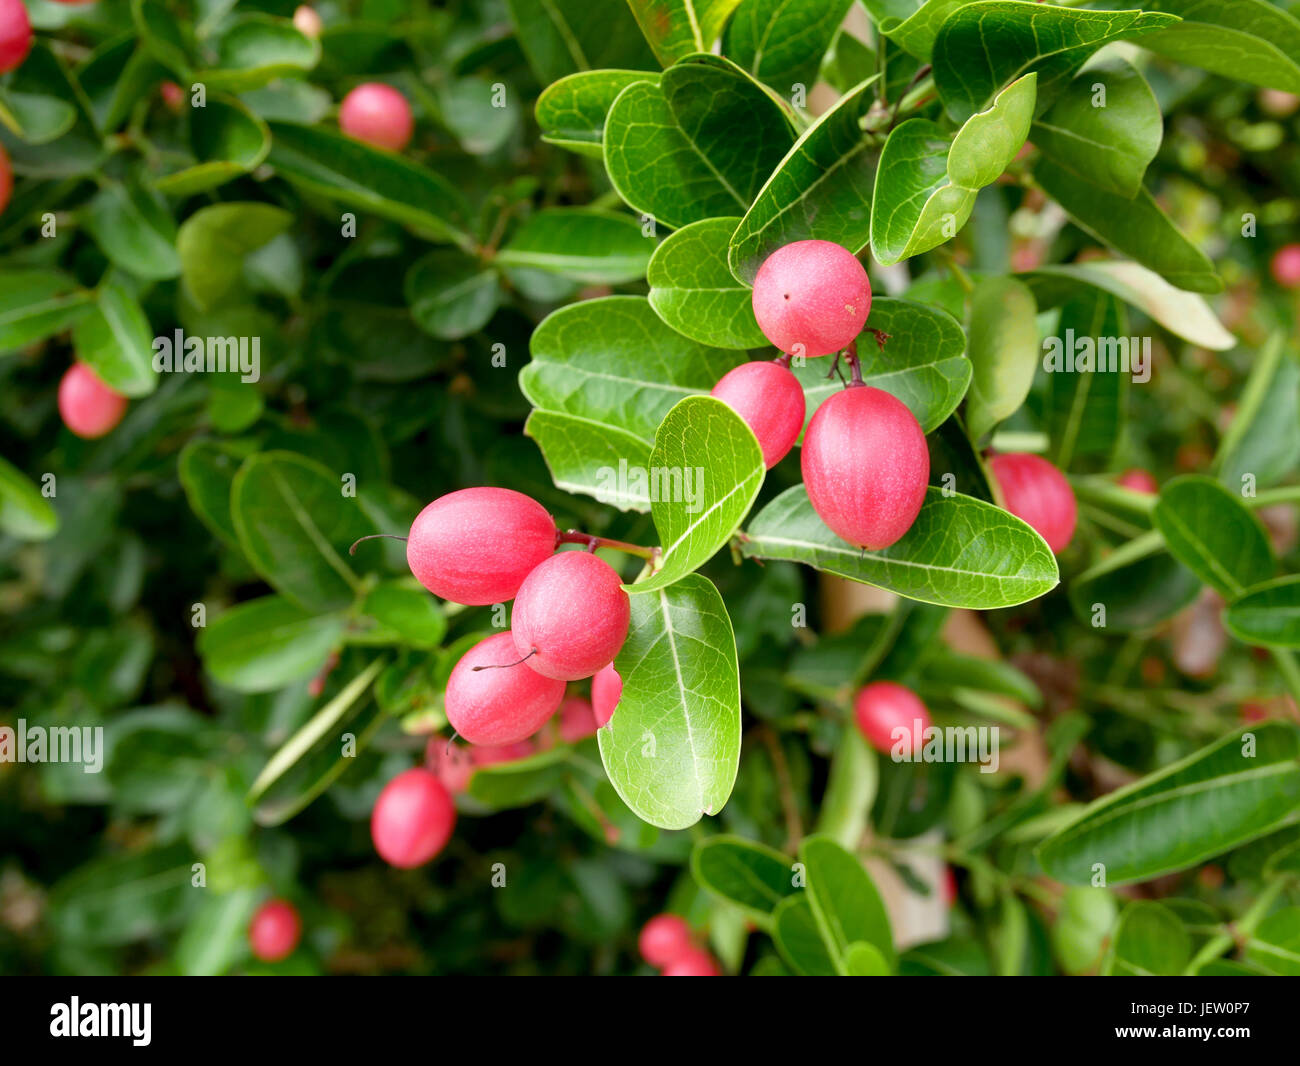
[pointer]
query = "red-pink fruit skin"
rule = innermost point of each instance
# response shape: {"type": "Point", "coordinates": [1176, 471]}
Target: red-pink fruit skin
{"type": "Point", "coordinates": [1036, 492]}
{"type": "Point", "coordinates": [274, 931]}
{"type": "Point", "coordinates": [770, 400]}
{"type": "Point", "coordinates": [6, 179]}
{"type": "Point", "coordinates": [499, 706]}
{"type": "Point", "coordinates": [307, 21]}
{"type": "Point", "coordinates": [492, 754]}
{"type": "Point", "coordinates": [89, 407]}
{"type": "Point", "coordinates": [412, 819]}
{"type": "Point", "coordinates": [377, 114]}
{"type": "Point", "coordinates": [606, 691]}
{"type": "Point", "coordinates": [476, 546]}
{"type": "Point", "coordinates": [664, 939]}
{"type": "Point", "coordinates": [450, 762]}
{"type": "Point", "coordinates": [1286, 266]}
{"type": "Point", "coordinates": [1137, 480]}
{"type": "Point", "coordinates": [865, 465]}
{"type": "Point", "coordinates": [811, 298]}
{"type": "Point", "coordinates": [695, 963]}
{"type": "Point", "coordinates": [577, 719]}
{"type": "Point", "coordinates": [15, 34]}
{"type": "Point", "coordinates": [572, 608]}
{"type": "Point", "coordinates": [883, 706]}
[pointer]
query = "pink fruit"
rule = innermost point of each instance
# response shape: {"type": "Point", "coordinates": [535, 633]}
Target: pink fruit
{"type": "Point", "coordinates": [306, 21]}
{"type": "Point", "coordinates": [1286, 266]}
{"type": "Point", "coordinates": [865, 466]}
{"type": "Point", "coordinates": [377, 114]}
{"type": "Point", "coordinates": [577, 720]}
{"type": "Point", "coordinates": [6, 179]}
{"type": "Point", "coordinates": [1033, 490]}
{"type": "Point", "coordinates": [811, 298]}
{"type": "Point", "coordinates": [493, 754]}
{"type": "Point", "coordinates": [503, 702]}
{"type": "Point", "coordinates": [770, 400]}
{"type": "Point", "coordinates": [88, 406]}
{"type": "Point", "coordinates": [412, 819]}
{"type": "Point", "coordinates": [451, 763]}
{"type": "Point", "coordinates": [476, 546]}
{"type": "Point", "coordinates": [664, 939]}
{"type": "Point", "coordinates": [606, 691]}
{"type": "Point", "coordinates": [695, 963]}
{"type": "Point", "coordinates": [887, 713]}
{"type": "Point", "coordinates": [274, 931]}
{"type": "Point", "coordinates": [15, 35]}
{"type": "Point", "coordinates": [173, 96]}
{"type": "Point", "coordinates": [1137, 480]}
{"type": "Point", "coordinates": [571, 616]}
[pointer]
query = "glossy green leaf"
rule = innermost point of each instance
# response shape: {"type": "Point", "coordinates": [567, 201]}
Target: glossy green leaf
{"type": "Point", "coordinates": [115, 340]}
{"type": "Point", "coordinates": [1260, 442]}
{"type": "Point", "coordinates": [1211, 532]}
{"type": "Point", "coordinates": [35, 117]}
{"type": "Point", "coordinates": [571, 112]}
{"type": "Point", "coordinates": [161, 35]}
{"type": "Point", "coordinates": [1267, 614]}
{"type": "Point", "coordinates": [799, 940]}
{"type": "Point", "coordinates": [1149, 941]}
{"type": "Point", "coordinates": [217, 934]}
{"type": "Point", "coordinates": [845, 902]}
{"type": "Point", "coordinates": [408, 612]}
{"type": "Point", "coordinates": [782, 42]}
{"type": "Point", "coordinates": [1138, 586]}
{"type": "Point", "coordinates": [1085, 408]}
{"type": "Point", "coordinates": [268, 643]}
{"type": "Point", "coordinates": [1275, 943]}
{"type": "Point", "coordinates": [227, 140]}
{"type": "Point", "coordinates": [676, 28]}
{"type": "Point", "coordinates": [960, 552]}
{"type": "Point", "coordinates": [594, 458]}
{"type": "Point", "coordinates": [672, 748]}
{"type": "Point", "coordinates": [752, 876]}
{"type": "Point", "coordinates": [35, 304]}
{"type": "Point", "coordinates": [256, 49]}
{"type": "Point", "coordinates": [214, 240]}
{"type": "Point", "coordinates": [451, 294]}
{"type": "Point", "coordinates": [864, 960]}
{"type": "Point", "coordinates": [1004, 352]}
{"type": "Point", "coordinates": [916, 30]}
{"type": "Point", "coordinates": [207, 470]}
{"type": "Point", "coordinates": [501, 786]}
{"type": "Point", "coordinates": [560, 37]}
{"type": "Point", "coordinates": [123, 898]}
{"type": "Point", "coordinates": [135, 229]}
{"type": "Point", "coordinates": [1237, 789]}
{"type": "Point", "coordinates": [584, 244]}
{"type": "Point", "coordinates": [24, 512]}
{"type": "Point", "coordinates": [115, 76]}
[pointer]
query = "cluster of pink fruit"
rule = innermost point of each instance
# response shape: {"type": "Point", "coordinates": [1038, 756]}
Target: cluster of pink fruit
{"type": "Point", "coordinates": [667, 943]}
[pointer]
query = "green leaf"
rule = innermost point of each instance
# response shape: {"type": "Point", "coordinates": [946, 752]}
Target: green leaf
{"type": "Point", "coordinates": [926, 184]}
{"type": "Point", "coordinates": [844, 900]}
{"type": "Point", "coordinates": [984, 46]}
{"type": "Point", "coordinates": [1149, 941]}
{"type": "Point", "coordinates": [960, 552]}
{"type": "Point", "coordinates": [1109, 146]}
{"type": "Point", "coordinates": [295, 525]}
{"type": "Point", "coordinates": [676, 28]}
{"type": "Point", "coordinates": [256, 49]}
{"type": "Point", "coordinates": [782, 42]}
{"type": "Point", "coordinates": [114, 339]}
{"type": "Point", "coordinates": [1136, 227]}
{"type": "Point", "coordinates": [24, 512]}
{"type": "Point", "coordinates": [124, 897]}
{"type": "Point", "coordinates": [571, 112]}
{"type": "Point", "coordinates": [161, 36]}
{"type": "Point", "coordinates": [700, 144]}
{"type": "Point", "coordinates": [35, 117]}
{"type": "Point", "coordinates": [227, 140]}
{"type": "Point", "coordinates": [115, 76]}
{"type": "Point", "coordinates": [984, 675]}
{"type": "Point", "coordinates": [861, 959]}
{"type": "Point", "coordinates": [1267, 614]}
{"type": "Point", "coordinates": [217, 935]}
{"type": "Point", "coordinates": [1239, 788]}
{"type": "Point", "coordinates": [1211, 532]}
{"type": "Point", "coordinates": [1182, 313]}
{"type": "Point", "coordinates": [35, 304]}
{"type": "Point", "coordinates": [821, 190]}
{"type": "Point", "coordinates": [672, 748]}
{"type": "Point", "coordinates": [711, 468]}
{"type": "Point", "coordinates": [583, 244]}
{"type": "Point", "coordinates": [916, 30]}
{"type": "Point", "coordinates": [1260, 442]}
{"type": "Point", "coordinates": [408, 611]}
{"type": "Point", "coordinates": [752, 876]}
{"type": "Point", "coordinates": [924, 363]}
{"type": "Point", "coordinates": [563, 36]}
{"type": "Point", "coordinates": [364, 179]}
{"type": "Point", "coordinates": [268, 643]}
{"type": "Point", "coordinates": [1003, 352]}
{"type": "Point", "coordinates": [799, 940]}
{"type": "Point", "coordinates": [214, 240]}
{"type": "Point", "coordinates": [692, 289]}
{"type": "Point", "coordinates": [1085, 408]}
{"type": "Point", "coordinates": [481, 120]}
{"type": "Point", "coordinates": [1138, 585]}
{"type": "Point", "coordinates": [502, 786]}
{"type": "Point", "coordinates": [135, 229]}
{"type": "Point", "coordinates": [585, 455]}
{"type": "Point", "coordinates": [207, 470]}
{"type": "Point", "coordinates": [451, 294]}
{"type": "Point", "coordinates": [1275, 944]}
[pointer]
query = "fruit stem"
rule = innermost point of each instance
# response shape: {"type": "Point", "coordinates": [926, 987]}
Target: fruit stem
{"type": "Point", "coordinates": [391, 536]}
{"type": "Point", "coordinates": [505, 666]}
{"type": "Point", "coordinates": [855, 367]}
{"type": "Point", "coordinates": [576, 536]}
{"type": "Point", "coordinates": [783, 360]}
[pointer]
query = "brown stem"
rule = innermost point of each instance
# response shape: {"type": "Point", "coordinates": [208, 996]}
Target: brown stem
{"type": "Point", "coordinates": [880, 335]}
{"type": "Point", "coordinates": [391, 536]}
{"type": "Point", "coordinates": [506, 666]}
{"type": "Point", "coordinates": [793, 824]}
{"type": "Point", "coordinates": [783, 360]}
{"type": "Point", "coordinates": [855, 367]}
{"type": "Point", "coordinates": [576, 536]}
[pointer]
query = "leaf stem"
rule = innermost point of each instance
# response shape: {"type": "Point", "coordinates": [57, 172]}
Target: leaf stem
{"type": "Point", "coordinates": [1240, 930]}
{"type": "Point", "coordinates": [1290, 672]}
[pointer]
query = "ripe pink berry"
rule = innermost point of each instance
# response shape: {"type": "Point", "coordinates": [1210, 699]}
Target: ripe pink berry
{"type": "Point", "coordinates": [307, 21]}
{"type": "Point", "coordinates": [695, 963]}
{"type": "Point", "coordinates": [886, 712]}
{"type": "Point", "coordinates": [173, 96]}
{"type": "Point", "coordinates": [571, 616]}
{"type": "Point", "coordinates": [577, 720]}
{"type": "Point", "coordinates": [865, 466]}
{"type": "Point", "coordinates": [6, 179]}
{"type": "Point", "coordinates": [1033, 490]}
{"type": "Point", "coordinates": [88, 406]}
{"type": "Point", "coordinates": [811, 298]}
{"type": "Point", "coordinates": [770, 400]}
{"type": "Point", "coordinates": [1286, 266]}
{"type": "Point", "coordinates": [476, 546]}
{"type": "Point", "coordinates": [274, 931]}
{"type": "Point", "coordinates": [412, 819]}
{"type": "Point", "coordinates": [493, 754]}
{"type": "Point", "coordinates": [606, 691]}
{"type": "Point", "coordinates": [500, 704]}
{"type": "Point", "coordinates": [15, 35]}
{"type": "Point", "coordinates": [1137, 480]}
{"type": "Point", "coordinates": [451, 763]}
{"type": "Point", "coordinates": [377, 114]}
{"type": "Point", "coordinates": [664, 939]}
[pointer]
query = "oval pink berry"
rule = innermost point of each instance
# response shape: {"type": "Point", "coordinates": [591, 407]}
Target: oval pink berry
{"type": "Point", "coordinates": [888, 713]}
{"type": "Point", "coordinates": [664, 939]}
{"type": "Point", "coordinates": [450, 762]}
{"type": "Point", "coordinates": [577, 719]}
{"type": "Point", "coordinates": [306, 21]}
{"type": "Point", "coordinates": [811, 298]}
{"type": "Point", "coordinates": [15, 35]}
{"type": "Point", "coordinates": [770, 400]}
{"type": "Point", "coordinates": [377, 114]}
{"type": "Point", "coordinates": [1138, 480]}
{"type": "Point", "coordinates": [502, 703]}
{"type": "Point", "coordinates": [494, 754]}
{"type": "Point", "coordinates": [865, 465]}
{"type": "Point", "coordinates": [570, 616]}
{"type": "Point", "coordinates": [412, 819]}
{"type": "Point", "coordinates": [89, 407]}
{"type": "Point", "coordinates": [606, 691]}
{"type": "Point", "coordinates": [1036, 492]}
{"type": "Point", "coordinates": [1286, 266]}
{"type": "Point", "coordinates": [6, 179]}
{"type": "Point", "coordinates": [476, 546]}
{"type": "Point", "coordinates": [695, 963]}
{"type": "Point", "coordinates": [275, 930]}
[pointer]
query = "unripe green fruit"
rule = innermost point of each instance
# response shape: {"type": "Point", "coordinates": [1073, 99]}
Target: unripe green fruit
{"type": "Point", "coordinates": [1083, 923]}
